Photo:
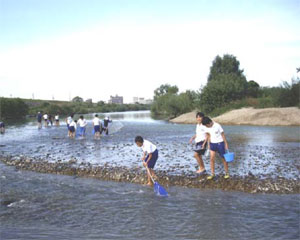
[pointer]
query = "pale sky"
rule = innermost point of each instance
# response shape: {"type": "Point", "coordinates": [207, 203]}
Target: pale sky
{"type": "Point", "coordinates": [97, 48]}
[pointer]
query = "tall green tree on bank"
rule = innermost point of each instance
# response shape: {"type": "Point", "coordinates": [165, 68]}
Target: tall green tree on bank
{"type": "Point", "coordinates": [226, 82]}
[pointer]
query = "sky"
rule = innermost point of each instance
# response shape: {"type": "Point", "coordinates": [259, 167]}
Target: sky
{"type": "Point", "coordinates": [60, 49]}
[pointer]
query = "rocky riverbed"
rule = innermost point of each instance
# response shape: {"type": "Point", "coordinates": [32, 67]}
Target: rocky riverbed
{"type": "Point", "coordinates": [249, 183]}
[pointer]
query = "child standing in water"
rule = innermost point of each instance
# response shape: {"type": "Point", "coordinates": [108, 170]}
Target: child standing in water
{"type": "Point", "coordinates": [201, 142]}
{"type": "Point", "coordinates": [2, 127]}
{"type": "Point", "coordinates": [82, 125]}
{"type": "Point", "coordinates": [218, 143]}
{"type": "Point", "coordinates": [56, 120]}
{"type": "Point", "coordinates": [45, 119]}
{"type": "Point", "coordinates": [69, 119]}
{"type": "Point", "coordinates": [39, 119]}
{"type": "Point", "coordinates": [72, 128]}
{"type": "Point", "coordinates": [150, 155]}
{"type": "Point", "coordinates": [106, 121]}
{"type": "Point", "coordinates": [97, 127]}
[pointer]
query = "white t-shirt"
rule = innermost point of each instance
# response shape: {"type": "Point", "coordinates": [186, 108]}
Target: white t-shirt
{"type": "Point", "coordinates": [56, 117]}
{"type": "Point", "coordinates": [215, 133]}
{"type": "Point", "coordinates": [81, 122]}
{"type": "Point", "coordinates": [148, 147]}
{"type": "Point", "coordinates": [96, 121]}
{"type": "Point", "coordinates": [69, 120]}
{"type": "Point", "coordinates": [73, 124]}
{"type": "Point", "coordinates": [200, 133]}
{"type": "Point", "coordinates": [45, 116]}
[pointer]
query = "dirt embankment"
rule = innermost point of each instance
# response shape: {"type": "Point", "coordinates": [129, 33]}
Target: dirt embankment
{"type": "Point", "coordinates": [249, 116]}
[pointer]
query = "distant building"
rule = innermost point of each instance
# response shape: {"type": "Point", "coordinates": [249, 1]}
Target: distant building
{"type": "Point", "coordinates": [141, 100]}
{"type": "Point", "coordinates": [117, 99]}
{"type": "Point", "coordinates": [89, 100]}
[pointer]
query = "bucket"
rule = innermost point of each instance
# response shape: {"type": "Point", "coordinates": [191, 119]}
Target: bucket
{"type": "Point", "coordinates": [229, 156]}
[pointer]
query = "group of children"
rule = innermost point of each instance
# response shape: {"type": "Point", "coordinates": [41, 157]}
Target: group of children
{"type": "Point", "coordinates": [209, 136]}
{"type": "Point", "coordinates": [48, 119]}
{"type": "Point", "coordinates": [98, 127]}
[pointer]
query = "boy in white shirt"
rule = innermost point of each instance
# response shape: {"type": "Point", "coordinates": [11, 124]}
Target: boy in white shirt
{"type": "Point", "coordinates": [201, 142]}
{"type": "Point", "coordinates": [45, 116]}
{"type": "Point", "coordinates": [150, 155]}
{"type": "Point", "coordinates": [72, 128]}
{"type": "Point", "coordinates": [218, 143]}
{"type": "Point", "coordinates": [69, 119]}
{"type": "Point", "coordinates": [97, 126]}
{"type": "Point", "coordinates": [56, 120]}
{"type": "Point", "coordinates": [82, 125]}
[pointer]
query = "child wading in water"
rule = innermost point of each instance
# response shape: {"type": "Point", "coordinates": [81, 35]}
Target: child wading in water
{"type": "Point", "coordinates": [201, 142]}
{"type": "Point", "coordinates": [218, 143]}
{"type": "Point", "coordinates": [72, 128]}
{"type": "Point", "coordinates": [150, 155]}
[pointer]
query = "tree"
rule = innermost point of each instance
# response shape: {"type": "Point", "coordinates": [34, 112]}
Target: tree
{"type": "Point", "coordinates": [252, 89]}
{"type": "Point", "coordinates": [168, 103]}
{"type": "Point", "coordinates": [226, 83]}
{"type": "Point", "coordinates": [77, 99]}
{"type": "Point", "coordinates": [165, 89]}
{"type": "Point", "coordinates": [226, 65]}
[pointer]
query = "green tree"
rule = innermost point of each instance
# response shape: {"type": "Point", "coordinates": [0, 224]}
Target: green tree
{"type": "Point", "coordinates": [226, 65]}
{"type": "Point", "coordinates": [165, 89]}
{"type": "Point", "coordinates": [252, 89]}
{"type": "Point", "coordinates": [226, 83]}
{"type": "Point", "coordinates": [77, 99]}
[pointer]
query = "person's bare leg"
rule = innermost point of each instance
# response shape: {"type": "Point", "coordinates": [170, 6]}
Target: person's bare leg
{"type": "Point", "coordinates": [200, 162]}
{"type": "Point", "coordinates": [149, 183]}
{"type": "Point", "coordinates": [225, 165]}
{"type": "Point", "coordinates": [152, 173]}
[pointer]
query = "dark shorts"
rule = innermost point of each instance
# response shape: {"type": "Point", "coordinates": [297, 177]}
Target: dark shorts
{"type": "Point", "coordinates": [218, 147]}
{"type": "Point", "coordinates": [68, 126]}
{"type": "Point", "coordinates": [198, 149]}
{"type": "Point", "coordinates": [72, 129]}
{"type": "Point", "coordinates": [97, 128]}
{"type": "Point", "coordinates": [2, 125]}
{"type": "Point", "coordinates": [153, 160]}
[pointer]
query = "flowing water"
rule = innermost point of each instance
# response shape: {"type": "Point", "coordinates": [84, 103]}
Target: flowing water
{"type": "Point", "coordinates": [45, 206]}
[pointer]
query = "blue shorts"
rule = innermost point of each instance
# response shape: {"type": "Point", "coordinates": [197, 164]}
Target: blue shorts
{"type": "Point", "coordinates": [97, 128]}
{"type": "Point", "coordinates": [68, 126]}
{"type": "Point", "coordinates": [218, 147]}
{"type": "Point", "coordinates": [72, 129]}
{"type": "Point", "coordinates": [152, 161]}
{"type": "Point", "coordinates": [82, 130]}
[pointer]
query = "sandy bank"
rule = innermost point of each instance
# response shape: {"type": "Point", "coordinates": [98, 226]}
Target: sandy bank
{"type": "Point", "coordinates": [249, 116]}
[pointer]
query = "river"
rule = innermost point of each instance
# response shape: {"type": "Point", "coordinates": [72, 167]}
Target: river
{"type": "Point", "coordinates": [48, 206]}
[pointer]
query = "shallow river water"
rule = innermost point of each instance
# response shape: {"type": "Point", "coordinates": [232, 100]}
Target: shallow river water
{"type": "Point", "coordinates": [45, 206]}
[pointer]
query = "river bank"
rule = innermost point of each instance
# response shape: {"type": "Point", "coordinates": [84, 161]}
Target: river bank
{"type": "Point", "coordinates": [249, 116]}
{"type": "Point", "coordinates": [249, 183]}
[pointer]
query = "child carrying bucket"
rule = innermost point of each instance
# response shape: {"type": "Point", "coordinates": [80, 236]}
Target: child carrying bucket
{"type": "Point", "coordinates": [218, 143]}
